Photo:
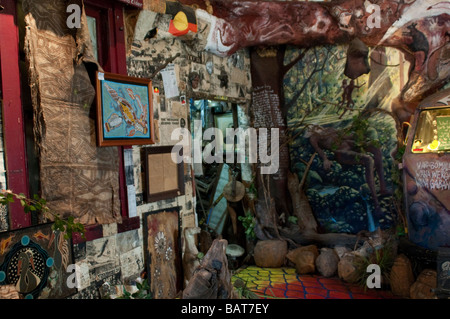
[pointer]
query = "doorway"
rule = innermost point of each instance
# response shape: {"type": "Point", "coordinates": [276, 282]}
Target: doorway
{"type": "Point", "coordinates": [218, 179]}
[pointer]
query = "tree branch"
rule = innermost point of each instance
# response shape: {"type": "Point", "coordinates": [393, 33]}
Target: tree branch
{"type": "Point", "coordinates": [288, 66]}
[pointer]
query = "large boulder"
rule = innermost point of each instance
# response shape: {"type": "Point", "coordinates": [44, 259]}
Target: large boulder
{"type": "Point", "coordinates": [304, 259]}
{"type": "Point", "coordinates": [270, 253]}
{"type": "Point", "coordinates": [327, 262]}
{"type": "Point", "coordinates": [401, 277]}
{"type": "Point", "coordinates": [346, 269]}
{"type": "Point", "coordinates": [424, 286]}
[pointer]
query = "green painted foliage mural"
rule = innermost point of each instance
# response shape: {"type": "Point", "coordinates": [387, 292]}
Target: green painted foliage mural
{"type": "Point", "coordinates": [358, 129]}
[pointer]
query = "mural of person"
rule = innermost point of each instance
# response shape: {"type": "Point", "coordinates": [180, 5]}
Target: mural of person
{"type": "Point", "coordinates": [346, 153]}
{"type": "Point", "coordinates": [347, 94]}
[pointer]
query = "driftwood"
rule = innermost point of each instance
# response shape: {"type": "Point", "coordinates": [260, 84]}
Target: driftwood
{"type": "Point", "coordinates": [190, 260]}
{"type": "Point", "coordinates": [325, 240]}
{"type": "Point", "coordinates": [306, 232]}
{"type": "Point", "coordinates": [302, 209]}
{"type": "Point", "coordinates": [212, 279]}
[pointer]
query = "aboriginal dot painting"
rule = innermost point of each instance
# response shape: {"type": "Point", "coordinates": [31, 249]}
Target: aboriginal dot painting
{"type": "Point", "coordinates": [285, 283]}
{"type": "Point", "coordinates": [34, 260]}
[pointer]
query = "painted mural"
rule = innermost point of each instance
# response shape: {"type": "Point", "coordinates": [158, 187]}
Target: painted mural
{"type": "Point", "coordinates": [347, 123]}
{"type": "Point", "coordinates": [426, 172]}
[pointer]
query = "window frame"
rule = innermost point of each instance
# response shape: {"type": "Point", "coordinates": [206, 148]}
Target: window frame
{"type": "Point", "coordinates": [13, 116]}
{"type": "Point", "coordinates": [418, 146]}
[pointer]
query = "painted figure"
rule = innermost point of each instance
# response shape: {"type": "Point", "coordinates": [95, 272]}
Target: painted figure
{"type": "Point", "coordinates": [28, 281]}
{"type": "Point", "coordinates": [347, 95]}
{"type": "Point", "coordinates": [328, 138]}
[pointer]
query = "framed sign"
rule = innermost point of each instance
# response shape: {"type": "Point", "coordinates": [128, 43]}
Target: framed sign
{"type": "Point", "coordinates": [164, 177]}
{"type": "Point", "coordinates": [124, 110]}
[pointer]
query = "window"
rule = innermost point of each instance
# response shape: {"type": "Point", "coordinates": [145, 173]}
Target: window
{"type": "Point", "coordinates": [433, 131]}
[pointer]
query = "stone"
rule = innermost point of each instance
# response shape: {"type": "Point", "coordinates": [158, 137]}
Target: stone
{"type": "Point", "coordinates": [327, 262]}
{"type": "Point", "coordinates": [424, 286]}
{"type": "Point", "coordinates": [401, 276]}
{"type": "Point", "coordinates": [304, 259]}
{"type": "Point", "coordinates": [270, 253]}
{"type": "Point", "coordinates": [292, 254]}
{"type": "Point", "coordinates": [346, 268]}
{"type": "Point", "coordinates": [341, 251]}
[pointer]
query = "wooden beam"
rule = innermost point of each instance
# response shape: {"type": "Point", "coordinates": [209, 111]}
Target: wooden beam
{"type": "Point", "coordinates": [13, 125]}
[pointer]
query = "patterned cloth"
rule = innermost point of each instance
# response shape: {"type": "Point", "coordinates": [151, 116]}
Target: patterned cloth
{"type": "Point", "coordinates": [285, 283]}
{"type": "Point", "coordinates": [77, 178]}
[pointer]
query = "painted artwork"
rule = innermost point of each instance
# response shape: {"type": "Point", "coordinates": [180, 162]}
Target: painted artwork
{"type": "Point", "coordinates": [125, 116]}
{"type": "Point", "coordinates": [426, 173]}
{"type": "Point", "coordinates": [34, 260]}
{"type": "Point", "coordinates": [347, 123]}
{"type": "Point", "coordinates": [161, 250]}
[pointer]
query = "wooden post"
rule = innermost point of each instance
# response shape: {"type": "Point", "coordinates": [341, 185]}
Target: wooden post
{"type": "Point", "coordinates": [14, 136]}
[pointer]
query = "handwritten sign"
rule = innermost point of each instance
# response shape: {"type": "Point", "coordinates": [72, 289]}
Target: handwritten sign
{"type": "Point", "coordinates": [443, 131]}
{"type": "Point", "coordinates": [266, 108]}
{"type": "Point", "coordinates": [433, 175]}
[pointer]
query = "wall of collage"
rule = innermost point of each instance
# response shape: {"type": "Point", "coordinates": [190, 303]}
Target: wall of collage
{"type": "Point", "coordinates": [191, 75]}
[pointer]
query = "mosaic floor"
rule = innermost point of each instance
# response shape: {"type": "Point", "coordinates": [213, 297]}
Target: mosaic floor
{"type": "Point", "coordinates": [284, 283]}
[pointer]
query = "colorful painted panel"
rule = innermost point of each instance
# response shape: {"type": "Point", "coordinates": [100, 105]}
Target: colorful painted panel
{"type": "Point", "coordinates": [285, 283]}
{"type": "Point", "coordinates": [348, 123]}
{"type": "Point", "coordinates": [162, 243]}
{"type": "Point", "coordinates": [35, 261]}
{"type": "Point", "coordinates": [426, 173]}
{"type": "Point", "coordinates": [125, 115]}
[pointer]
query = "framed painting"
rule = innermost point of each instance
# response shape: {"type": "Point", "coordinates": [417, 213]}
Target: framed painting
{"type": "Point", "coordinates": [164, 178]}
{"type": "Point", "coordinates": [124, 110]}
{"type": "Point", "coordinates": [35, 260]}
{"type": "Point", "coordinates": [162, 252]}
